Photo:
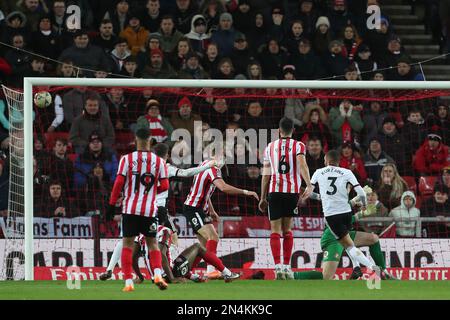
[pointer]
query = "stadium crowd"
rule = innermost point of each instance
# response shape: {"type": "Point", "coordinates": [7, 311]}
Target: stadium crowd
{"type": "Point", "coordinates": [400, 149]}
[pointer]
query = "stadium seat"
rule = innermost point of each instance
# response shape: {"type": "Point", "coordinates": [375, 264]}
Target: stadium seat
{"type": "Point", "coordinates": [124, 142]}
{"type": "Point", "coordinates": [233, 229]}
{"type": "Point", "coordinates": [50, 138]}
{"type": "Point", "coordinates": [426, 185]}
{"type": "Point", "coordinates": [411, 182]}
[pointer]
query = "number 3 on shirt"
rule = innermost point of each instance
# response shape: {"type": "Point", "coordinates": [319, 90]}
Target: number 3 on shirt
{"type": "Point", "coordinates": [332, 185]}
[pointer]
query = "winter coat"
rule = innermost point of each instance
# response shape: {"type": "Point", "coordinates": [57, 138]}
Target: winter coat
{"type": "Point", "coordinates": [136, 38]}
{"type": "Point", "coordinates": [86, 161]}
{"type": "Point", "coordinates": [401, 215]}
{"type": "Point", "coordinates": [307, 66]}
{"type": "Point", "coordinates": [167, 43]}
{"type": "Point", "coordinates": [319, 129]}
{"type": "Point", "coordinates": [336, 121]}
{"type": "Point", "coordinates": [73, 104]}
{"type": "Point", "coordinates": [199, 42]}
{"type": "Point", "coordinates": [272, 64]}
{"type": "Point", "coordinates": [374, 165]}
{"type": "Point", "coordinates": [359, 171]}
{"type": "Point", "coordinates": [373, 123]}
{"type": "Point", "coordinates": [394, 145]}
{"type": "Point", "coordinates": [91, 57]}
{"type": "Point", "coordinates": [431, 161]}
{"type": "Point", "coordinates": [224, 40]}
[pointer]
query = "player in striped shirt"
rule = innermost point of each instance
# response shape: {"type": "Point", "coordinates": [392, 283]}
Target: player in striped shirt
{"type": "Point", "coordinates": [284, 162]}
{"type": "Point", "coordinates": [200, 213]}
{"type": "Point", "coordinates": [141, 175]}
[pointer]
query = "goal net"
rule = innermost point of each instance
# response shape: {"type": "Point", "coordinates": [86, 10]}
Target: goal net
{"type": "Point", "coordinates": [393, 137]}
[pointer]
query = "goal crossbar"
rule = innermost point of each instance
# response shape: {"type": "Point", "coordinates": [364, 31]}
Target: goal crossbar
{"type": "Point", "coordinates": [170, 83]}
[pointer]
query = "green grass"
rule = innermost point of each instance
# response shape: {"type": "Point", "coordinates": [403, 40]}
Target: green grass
{"type": "Point", "coordinates": [242, 289]}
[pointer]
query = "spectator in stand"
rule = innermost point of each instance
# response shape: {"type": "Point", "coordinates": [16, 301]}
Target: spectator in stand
{"type": "Point", "coordinates": [405, 216]}
{"type": "Point", "coordinates": [364, 63]}
{"type": "Point", "coordinates": [151, 19]}
{"type": "Point", "coordinates": [92, 120]}
{"type": "Point", "coordinates": [225, 69]}
{"type": "Point", "coordinates": [169, 34]}
{"type": "Point", "coordinates": [376, 209]}
{"type": "Point", "coordinates": [374, 160]}
{"type": "Point", "coordinates": [184, 118]}
{"type": "Point", "coordinates": [130, 68]}
{"type": "Point", "coordinates": [158, 68]}
{"type": "Point", "coordinates": [178, 57]}
{"type": "Point", "coordinates": [255, 118]}
{"type": "Point", "coordinates": [334, 61]}
{"type": "Point", "coordinates": [322, 36]}
{"type": "Point", "coordinates": [258, 35]}
{"type": "Point", "coordinates": [198, 37]}
{"type": "Point", "coordinates": [392, 55]}
{"type": "Point", "coordinates": [33, 10]}
{"type": "Point", "coordinates": [307, 65]}
{"type": "Point", "coordinates": [183, 14]}
{"type": "Point", "coordinates": [54, 204]}
{"type": "Point", "coordinates": [193, 69]}
{"type": "Point", "coordinates": [440, 120]}
{"type": "Point", "coordinates": [315, 123]}
{"type": "Point", "coordinates": [345, 122]}
{"type": "Point", "coordinates": [391, 186]}
{"type": "Point", "coordinates": [243, 17]}
{"type": "Point", "coordinates": [351, 73]}
{"type": "Point", "coordinates": [18, 60]}
{"type": "Point", "coordinates": [252, 181]}
{"type": "Point", "coordinates": [254, 71]}
{"type": "Point", "coordinates": [120, 16]}
{"type": "Point", "coordinates": [36, 68]}
{"type": "Point", "coordinates": [83, 54]}
{"type": "Point", "coordinates": [58, 17]}
{"type": "Point", "coordinates": [105, 39]}
{"type": "Point", "coordinates": [444, 179]}
{"type": "Point", "coordinates": [405, 72]}
{"type": "Point", "coordinates": [414, 130]}
{"type": "Point", "coordinates": [135, 34]}
{"type": "Point", "coordinates": [94, 152]}
{"type": "Point", "coordinates": [211, 60]}
{"type": "Point", "coordinates": [122, 112]}
{"type": "Point", "coordinates": [60, 166]}
{"type": "Point", "coordinates": [339, 17]}
{"type": "Point", "coordinates": [119, 54]}
{"type": "Point", "coordinates": [373, 120]}
{"type": "Point", "coordinates": [97, 191]}
{"type": "Point", "coordinates": [393, 144]}
{"type": "Point", "coordinates": [143, 58]}
{"type": "Point", "coordinates": [241, 56]}
{"type": "Point", "coordinates": [352, 160]}
{"type": "Point", "coordinates": [225, 35]}
{"type": "Point", "coordinates": [5, 70]}
{"type": "Point", "coordinates": [45, 41]}
{"type": "Point", "coordinates": [437, 206]}
{"type": "Point", "coordinates": [14, 24]}
{"type": "Point", "coordinates": [351, 42]}
{"type": "Point", "coordinates": [309, 16]}
{"type": "Point", "coordinates": [160, 127]}
{"type": "Point", "coordinates": [432, 156]}
{"type": "Point", "coordinates": [377, 39]}
{"type": "Point", "coordinates": [294, 36]}
{"type": "Point", "coordinates": [278, 24]}
{"type": "Point", "coordinates": [218, 115]}
{"type": "Point", "coordinates": [315, 155]}
{"type": "Point", "coordinates": [294, 109]}
{"type": "Point", "coordinates": [211, 10]}
{"type": "Point", "coordinates": [272, 59]}
{"type": "Point", "coordinates": [74, 100]}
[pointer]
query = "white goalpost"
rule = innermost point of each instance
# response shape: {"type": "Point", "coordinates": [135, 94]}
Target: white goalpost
{"type": "Point", "coordinates": [29, 83]}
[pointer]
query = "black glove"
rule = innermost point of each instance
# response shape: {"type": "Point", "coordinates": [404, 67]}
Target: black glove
{"type": "Point", "coordinates": [110, 212]}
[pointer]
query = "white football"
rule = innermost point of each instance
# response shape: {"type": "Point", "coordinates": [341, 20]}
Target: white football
{"type": "Point", "coordinates": [42, 99]}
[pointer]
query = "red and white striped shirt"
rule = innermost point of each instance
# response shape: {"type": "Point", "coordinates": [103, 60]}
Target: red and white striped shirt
{"type": "Point", "coordinates": [284, 172]}
{"type": "Point", "coordinates": [203, 187]}
{"type": "Point", "coordinates": [142, 171]}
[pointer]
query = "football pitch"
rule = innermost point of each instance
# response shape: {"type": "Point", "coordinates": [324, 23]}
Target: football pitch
{"type": "Point", "coordinates": [238, 290]}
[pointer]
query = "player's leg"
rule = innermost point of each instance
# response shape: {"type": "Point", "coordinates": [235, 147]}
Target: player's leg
{"type": "Point", "coordinates": [288, 244]}
{"type": "Point", "coordinates": [209, 233]}
{"type": "Point", "coordinates": [149, 229]}
{"type": "Point", "coordinates": [354, 253]}
{"type": "Point", "coordinates": [115, 258]}
{"type": "Point", "coordinates": [131, 227]}
{"type": "Point", "coordinates": [136, 255]}
{"type": "Point", "coordinates": [275, 209]}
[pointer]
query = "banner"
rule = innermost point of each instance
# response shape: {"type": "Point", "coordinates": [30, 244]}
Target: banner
{"type": "Point", "coordinates": [239, 253]}
{"type": "Point", "coordinates": [80, 227]}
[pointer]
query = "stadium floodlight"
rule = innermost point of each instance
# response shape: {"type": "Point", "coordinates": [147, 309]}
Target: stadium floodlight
{"type": "Point", "coordinates": [31, 83]}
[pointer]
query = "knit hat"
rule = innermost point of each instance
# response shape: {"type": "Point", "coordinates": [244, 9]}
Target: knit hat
{"type": "Point", "coordinates": [226, 16]}
{"type": "Point", "coordinates": [157, 52]}
{"type": "Point", "coordinates": [339, 2]}
{"type": "Point", "coordinates": [289, 68]}
{"type": "Point", "coordinates": [335, 42]}
{"type": "Point", "coordinates": [151, 103]}
{"type": "Point", "coordinates": [95, 136]}
{"type": "Point", "coordinates": [389, 119]}
{"type": "Point", "coordinates": [184, 101]}
{"type": "Point", "coordinates": [322, 20]}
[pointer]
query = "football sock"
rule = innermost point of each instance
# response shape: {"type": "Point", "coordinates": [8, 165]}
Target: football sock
{"type": "Point", "coordinates": [156, 262]}
{"type": "Point", "coordinates": [115, 256]}
{"type": "Point", "coordinates": [377, 255]}
{"type": "Point", "coordinates": [308, 275]}
{"type": "Point", "coordinates": [214, 261]}
{"type": "Point", "coordinates": [288, 243]}
{"type": "Point", "coordinates": [357, 255]}
{"type": "Point", "coordinates": [126, 261]}
{"type": "Point", "coordinates": [275, 246]}
{"type": "Point", "coordinates": [211, 246]}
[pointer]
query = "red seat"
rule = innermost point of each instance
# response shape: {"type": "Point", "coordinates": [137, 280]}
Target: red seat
{"type": "Point", "coordinates": [233, 229]}
{"type": "Point", "coordinates": [426, 185]}
{"type": "Point", "coordinates": [50, 138]}
{"type": "Point", "coordinates": [72, 157]}
{"type": "Point", "coordinates": [411, 182]}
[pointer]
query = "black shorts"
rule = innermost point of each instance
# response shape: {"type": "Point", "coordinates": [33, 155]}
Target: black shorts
{"type": "Point", "coordinates": [180, 267]}
{"type": "Point", "coordinates": [282, 205]}
{"type": "Point", "coordinates": [196, 217]}
{"type": "Point", "coordinates": [339, 224]}
{"type": "Point", "coordinates": [133, 225]}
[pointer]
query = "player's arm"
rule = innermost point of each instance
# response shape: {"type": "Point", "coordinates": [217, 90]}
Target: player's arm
{"type": "Point", "coordinates": [118, 186]}
{"type": "Point", "coordinates": [304, 172]}
{"type": "Point", "coordinates": [229, 189]}
{"type": "Point", "coordinates": [212, 211]}
{"type": "Point", "coordinates": [185, 173]}
{"type": "Point", "coordinates": [165, 262]}
{"type": "Point", "coordinates": [265, 180]}
{"type": "Point", "coordinates": [163, 177]}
